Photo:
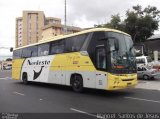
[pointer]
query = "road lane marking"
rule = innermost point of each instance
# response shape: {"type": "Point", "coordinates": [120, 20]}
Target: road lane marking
{"type": "Point", "coordinates": [41, 99]}
{"type": "Point", "coordinates": [155, 101]}
{"type": "Point", "coordinates": [2, 78]}
{"type": "Point", "coordinates": [17, 93]}
{"type": "Point", "coordinates": [5, 78]}
{"type": "Point", "coordinates": [76, 110]}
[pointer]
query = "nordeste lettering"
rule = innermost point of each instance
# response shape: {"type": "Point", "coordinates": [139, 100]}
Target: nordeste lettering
{"type": "Point", "coordinates": [38, 62]}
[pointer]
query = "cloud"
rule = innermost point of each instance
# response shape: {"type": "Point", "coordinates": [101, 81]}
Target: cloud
{"type": "Point", "coordinates": [100, 11]}
{"type": "Point", "coordinates": [96, 10]}
{"type": "Point", "coordinates": [82, 13]}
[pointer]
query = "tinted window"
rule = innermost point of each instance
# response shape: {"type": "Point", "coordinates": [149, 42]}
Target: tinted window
{"type": "Point", "coordinates": [57, 47]}
{"type": "Point", "coordinates": [139, 61]}
{"type": "Point", "coordinates": [75, 43]}
{"type": "Point", "coordinates": [149, 59]}
{"type": "Point", "coordinates": [43, 49]}
{"type": "Point", "coordinates": [34, 51]}
{"type": "Point", "coordinates": [139, 69]}
{"type": "Point", "coordinates": [26, 53]}
{"type": "Point", "coordinates": [95, 41]}
{"type": "Point", "coordinates": [17, 54]}
{"type": "Point", "coordinates": [101, 58]}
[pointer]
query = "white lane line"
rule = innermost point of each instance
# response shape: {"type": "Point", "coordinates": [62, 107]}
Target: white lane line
{"type": "Point", "coordinates": [2, 78]}
{"type": "Point", "coordinates": [17, 93]}
{"type": "Point", "coordinates": [8, 77]}
{"type": "Point", "coordinates": [5, 78]}
{"type": "Point", "coordinates": [76, 110]}
{"type": "Point", "coordinates": [154, 101]}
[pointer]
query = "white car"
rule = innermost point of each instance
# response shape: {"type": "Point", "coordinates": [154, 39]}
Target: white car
{"type": "Point", "coordinates": [8, 67]}
{"type": "Point", "coordinates": [147, 73]}
{"type": "Point", "coordinates": [144, 61]}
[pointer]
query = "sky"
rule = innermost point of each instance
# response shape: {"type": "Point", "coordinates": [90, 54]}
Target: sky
{"type": "Point", "coordinates": [80, 13]}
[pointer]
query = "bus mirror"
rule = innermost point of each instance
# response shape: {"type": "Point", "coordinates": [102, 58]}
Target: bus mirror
{"type": "Point", "coordinates": [11, 49]}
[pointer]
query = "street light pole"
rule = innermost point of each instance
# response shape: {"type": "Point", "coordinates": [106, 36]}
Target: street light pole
{"type": "Point", "coordinates": [65, 17]}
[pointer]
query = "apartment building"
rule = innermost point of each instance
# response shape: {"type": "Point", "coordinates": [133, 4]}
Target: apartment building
{"type": "Point", "coordinates": [52, 20]}
{"type": "Point", "coordinates": [52, 30]}
{"type": "Point", "coordinates": [28, 27]}
{"type": "Point", "coordinates": [19, 32]}
{"type": "Point", "coordinates": [33, 26]}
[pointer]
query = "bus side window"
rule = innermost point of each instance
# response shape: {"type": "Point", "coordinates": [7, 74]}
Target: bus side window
{"type": "Point", "coordinates": [57, 47]}
{"type": "Point", "coordinates": [74, 44]}
{"type": "Point", "coordinates": [33, 51]}
{"type": "Point", "coordinates": [17, 54]}
{"type": "Point", "coordinates": [43, 49]}
{"type": "Point", "coordinates": [25, 53]}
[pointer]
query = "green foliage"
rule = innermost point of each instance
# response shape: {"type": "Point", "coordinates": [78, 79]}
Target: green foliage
{"type": "Point", "coordinates": [139, 23]}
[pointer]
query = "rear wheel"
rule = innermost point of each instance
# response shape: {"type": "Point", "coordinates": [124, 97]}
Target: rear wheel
{"type": "Point", "coordinates": [145, 77]}
{"type": "Point", "coordinates": [77, 83]}
{"type": "Point", "coordinates": [25, 78]}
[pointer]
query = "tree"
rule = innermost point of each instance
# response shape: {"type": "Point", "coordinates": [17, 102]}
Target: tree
{"type": "Point", "coordinates": [139, 23]}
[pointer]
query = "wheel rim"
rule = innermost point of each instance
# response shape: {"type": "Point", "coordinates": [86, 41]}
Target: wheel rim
{"type": "Point", "coordinates": [145, 77]}
{"type": "Point", "coordinates": [77, 84]}
{"type": "Point", "coordinates": [25, 80]}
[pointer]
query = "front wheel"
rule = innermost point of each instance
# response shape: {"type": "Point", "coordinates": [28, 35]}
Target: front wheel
{"type": "Point", "coordinates": [145, 77]}
{"type": "Point", "coordinates": [77, 83]}
{"type": "Point", "coordinates": [25, 78]}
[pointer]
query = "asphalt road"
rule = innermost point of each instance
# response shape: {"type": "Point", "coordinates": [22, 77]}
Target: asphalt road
{"type": "Point", "coordinates": [16, 97]}
{"type": "Point", "coordinates": [5, 73]}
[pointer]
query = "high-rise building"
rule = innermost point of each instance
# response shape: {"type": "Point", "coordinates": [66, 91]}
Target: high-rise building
{"type": "Point", "coordinates": [19, 32]}
{"type": "Point", "coordinates": [28, 27]}
{"type": "Point", "coordinates": [33, 26]}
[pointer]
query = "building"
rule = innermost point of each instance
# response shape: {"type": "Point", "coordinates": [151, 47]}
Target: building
{"type": "Point", "coordinates": [150, 45]}
{"type": "Point", "coordinates": [52, 30]}
{"type": "Point", "coordinates": [19, 32]}
{"type": "Point", "coordinates": [33, 26]}
{"type": "Point", "coordinates": [28, 27]}
{"type": "Point", "coordinates": [52, 20]}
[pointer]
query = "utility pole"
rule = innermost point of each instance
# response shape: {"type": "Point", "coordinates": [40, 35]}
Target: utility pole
{"type": "Point", "coordinates": [65, 17]}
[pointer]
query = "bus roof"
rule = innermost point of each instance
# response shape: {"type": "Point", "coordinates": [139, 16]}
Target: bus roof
{"type": "Point", "coordinates": [70, 35]}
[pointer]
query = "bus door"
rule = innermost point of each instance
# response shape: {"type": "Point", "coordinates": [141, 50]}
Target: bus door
{"type": "Point", "coordinates": [101, 65]}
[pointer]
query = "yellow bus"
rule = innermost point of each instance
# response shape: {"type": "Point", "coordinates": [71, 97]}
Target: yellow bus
{"type": "Point", "coordinates": [98, 58]}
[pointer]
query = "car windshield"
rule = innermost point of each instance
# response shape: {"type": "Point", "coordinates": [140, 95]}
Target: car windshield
{"type": "Point", "coordinates": [149, 59]}
{"type": "Point", "coordinates": [122, 52]}
{"type": "Point", "coordinates": [140, 61]}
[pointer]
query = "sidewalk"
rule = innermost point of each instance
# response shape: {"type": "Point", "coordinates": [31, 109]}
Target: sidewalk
{"type": "Point", "coordinates": [150, 84]}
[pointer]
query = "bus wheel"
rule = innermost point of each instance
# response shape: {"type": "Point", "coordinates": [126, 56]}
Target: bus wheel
{"type": "Point", "coordinates": [145, 77]}
{"type": "Point", "coordinates": [25, 78]}
{"type": "Point", "coordinates": [77, 83]}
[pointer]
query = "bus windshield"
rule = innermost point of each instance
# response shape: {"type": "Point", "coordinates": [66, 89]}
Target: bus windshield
{"type": "Point", "coordinates": [122, 53]}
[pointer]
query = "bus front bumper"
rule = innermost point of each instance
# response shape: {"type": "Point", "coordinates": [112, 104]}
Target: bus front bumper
{"type": "Point", "coordinates": [121, 81]}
